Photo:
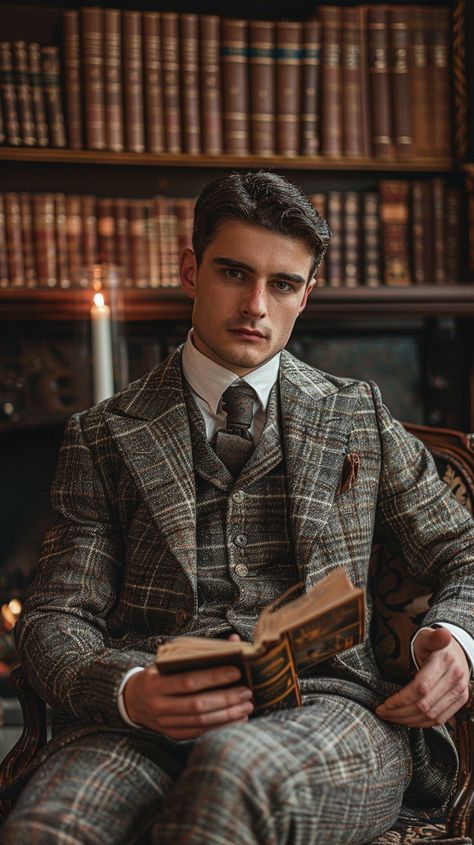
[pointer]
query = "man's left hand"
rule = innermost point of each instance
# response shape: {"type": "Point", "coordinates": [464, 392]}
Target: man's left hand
{"type": "Point", "coordinates": [439, 688]}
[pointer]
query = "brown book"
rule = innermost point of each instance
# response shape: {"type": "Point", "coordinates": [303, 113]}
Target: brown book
{"type": "Point", "coordinates": [395, 241]}
{"type": "Point", "coordinates": [9, 99]}
{"type": "Point", "coordinates": [419, 79]}
{"type": "Point", "coordinates": [173, 245]}
{"type": "Point", "coordinates": [72, 78]}
{"type": "Point", "coordinates": [379, 81]}
{"type": "Point", "coordinates": [311, 70]}
{"type": "Point", "coordinates": [106, 230]}
{"type": "Point", "coordinates": [334, 256]}
{"type": "Point", "coordinates": [438, 204]}
{"type": "Point", "coordinates": [289, 41]}
{"type": "Point", "coordinates": [453, 236]}
{"type": "Point", "coordinates": [371, 245]}
{"type": "Point", "coordinates": [235, 93]}
{"type": "Point", "coordinates": [2, 124]}
{"type": "Point", "coordinates": [4, 271]}
{"type": "Point", "coordinates": [288, 639]}
{"type": "Point", "coordinates": [90, 251]}
{"type": "Point", "coordinates": [211, 99]}
{"type": "Point", "coordinates": [63, 275]}
{"type": "Point", "coordinates": [153, 82]}
{"type": "Point", "coordinates": [74, 239]}
{"type": "Point", "coordinates": [152, 246]}
{"type": "Point", "coordinates": [23, 94]}
{"type": "Point", "coordinates": [27, 239]}
{"type": "Point", "coordinates": [16, 268]}
{"type": "Point", "coordinates": [37, 95]}
{"type": "Point", "coordinates": [352, 239]}
{"type": "Point", "coordinates": [189, 32]}
{"type": "Point", "coordinates": [171, 81]}
{"type": "Point", "coordinates": [92, 31]}
{"type": "Point", "coordinates": [133, 82]}
{"type": "Point", "coordinates": [331, 81]}
{"type": "Point", "coordinates": [400, 77]}
{"type": "Point", "coordinates": [183, 210]}
{"type": "Point", "coordinates": [352, 84]}
{"type": "Point", "coordinates": [262, 86]}
{"type": "Point", "coordinates": [440, 86]}
{"type": "Point", "coordinates": [138, 243]}
{"type": "Point", "coordinates": [51, 71]}
{"type": "Point", "coordinates": [421, 232]}
{"type": "Point", "coordinates": [45, 241]}
{"type": "Point", "coordinates": [122, 240]}
{"type": "Point", "coordinates": [319, 202]}
{"type": "Point", "coordinates": [113, 79]}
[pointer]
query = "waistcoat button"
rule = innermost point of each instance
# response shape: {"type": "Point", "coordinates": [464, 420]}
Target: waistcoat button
{"type": "Point", "coordinates": [240, 540]}
{"type": "Point", "coordinates": [238, 496]}
{"type": "Point", "coordinates": [241, 570]}
{"type": "Point", "coordinates": [181, 617]}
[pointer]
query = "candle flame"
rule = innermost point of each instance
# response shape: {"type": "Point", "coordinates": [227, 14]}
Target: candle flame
{"type": "Point", "coordinates": [9, 614]}
{"type": "Point", "coordinates": [99, 300]}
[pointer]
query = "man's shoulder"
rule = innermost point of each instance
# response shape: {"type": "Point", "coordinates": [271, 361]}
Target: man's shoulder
{"type": "Point", "coordinates": [320, 383]}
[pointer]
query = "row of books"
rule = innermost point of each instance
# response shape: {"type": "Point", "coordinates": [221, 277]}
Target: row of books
{"type": "Point", "coordinates": [404, 233]}
{"type": "Point", "coordinates": [31, 109]}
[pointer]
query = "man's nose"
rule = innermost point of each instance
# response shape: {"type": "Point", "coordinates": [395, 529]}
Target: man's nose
{"type": "Point", "coordinates": [254, 301]}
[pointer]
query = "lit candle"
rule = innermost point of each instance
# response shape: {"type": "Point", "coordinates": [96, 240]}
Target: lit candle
{"type": "Point", "coordinates": [101, 349]}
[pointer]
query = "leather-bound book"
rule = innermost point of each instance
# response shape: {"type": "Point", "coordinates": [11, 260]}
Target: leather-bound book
{"type": "Point", "coordinates": [4, 272]}
{"type": "Point", "coordinates": [16, 268]}
{"type": "Point", "coordinates": [262, 86]}
{"type": "Point", "coordinates": [90, 251]}
{"type": "Point", "coordinates": [74, 238]}
{"type": "Point", "coordinates": [92, 39]}
{"type": "Point", "coordinates": [379, 82]}
{"type": "Point", "coordinates": [37, 94]}
{"type": "Point", "coordinates": [27, 239]}
{"type": "Point", "coordinates": [9, 100]}
{"type": "Point", "coordinates": [440, 86]}
{"type": "Point", "coordinates": [23, 94]}
{"type": "Point", "coordinates": [153, 82]}
{"type": "Point", "coordinates": [453, 236]}
{"type": "Point", "coordinates": [235, 93]}
{"type": "Point", "coordinates": [352, 239]}
{"type": "Point", "coordinates": [64, 278]}
{"type": "Point", "coordinates": [138, 244]}
{"type": "Point", "coordinates": [319, 201]}
{"type": "Point", "coordinates": [394, 212]}
{"type": "Point", "coordinates": [72, 78]}
{"type": "Point", "coordinates": [189, 31]}
{"type": "Point", "coordinates": [289, 41]}
{"type": "Point", "coordinates": [419, 79]}
{"type": "Point", "coordinates": [51, 70]}
{"type": "Point", "coordinates": [2, 123]}
{"type": "Point", "coordinates": [352, 84]}
{"type": "Point", "coordinates": [45, 240]}
{"type": "Point", "coordinates": [183, 210]}
{"type": "Point", "coordinates": [438, 204]}
{"type": "Point", "coordinates": [113, 79]}
{"type": "Point", "coordinates": [171, 81]}
{"type": "Point", "coordinates": [122, 240]}
{"type": "Point", "coordinates": [421, 232]}
{"type": "Point", "coordinates": [106, 230]}
{"type": "Point", "coordinates": [159, 211]}
{"type": "Point", "coordinates": [400, 76]}
{"type": "Point", "coordinates": [133, 82]}
{"type": "Point", "coordinates": [152, 245]}
{"type": "Point", "coordinates": [331, 81]}
{"type": "Point", "coordinates": [173, 248]}
{"type": "Point", "coordinates": [371, 246]}
{"type": "Point", "coordinates": [334, 256]}
{"type": "Point", "coordinates": [211, 95]}
{"type": "Point", "coordinates": [311, 70]}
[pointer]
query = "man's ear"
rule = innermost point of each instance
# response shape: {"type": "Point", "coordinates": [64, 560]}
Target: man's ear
{"type": "Point", "coordinates": [188, 272]}
{"type": "Point", "coordinates": [308, 289]}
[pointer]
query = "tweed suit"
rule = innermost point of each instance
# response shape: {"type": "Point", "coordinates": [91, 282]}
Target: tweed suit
{"type": "Point", "coordinates": [118, 571]}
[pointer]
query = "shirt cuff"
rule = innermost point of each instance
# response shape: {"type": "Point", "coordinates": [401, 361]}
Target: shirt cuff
{"type": "Point", "coordinates": [120, 701]}
{"type": "Point", "coordinates": [460, 635]}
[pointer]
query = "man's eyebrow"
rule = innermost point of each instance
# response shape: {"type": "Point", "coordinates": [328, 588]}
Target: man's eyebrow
{"type": "Point", "coordinates": [241, 265]}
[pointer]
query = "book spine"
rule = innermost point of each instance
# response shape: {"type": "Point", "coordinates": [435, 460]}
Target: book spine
{"type": "Point", "coordinates": [90, 250]}
{"type": "Point", "coordinates": [311, 70]}
{"type": "Point", "coordinates": [366, 117]}
{"type": "Point", "coordinates": [289, 41]}
{"type": "Point", "coordinates": [3, 137]}
{"type": "Point", "coordinates": [62, 264]}
{"type": "Point", "coordinates": [440, 82]}
{"type": "Point", "coordinates": [262, 86]}
{"type": "Point", "coordinates": [334, 258]}
{"type": "Point", "coordinates": [189, 31]}
{"type": "Point", "coordinates": [122, 241]}
{"type": "Point", "coordinates": [401, 90]}
{"type": "Point", "coordinates": [371, 253]}
{"type": "Point", "coordinates": [211, 100]}
{"type": "Point", "coordinates": [438, 200]}
{"type": "Point", "coordinates": [160, 211]}
{"type": "Point", "coordinates": [453, 236]}
{"type": "Point", "coordinates": [153, 257]}
{"type": "Point", "coordinates": [51, 71]}
{"type": "Point", "coordinates": [353, 143]}
{"type": "Point", "coordinates": [138, 244]}
{"type": "Point", "coordinates": [352, 239]}
{"type": "Point", "coordinates": [420, 232]}
{"type": "Point", "coordinates": [153, 81]}
{"type": "Point", "coordinates": [13, 236]}
{"type": "Point", "coordinates": [4, 271]}
{"type": "Point", "coordinates": [113, 80]}
{"type": "Point", "coordinates": [183, 210]}
{"type": "Point", "coordinates": [331, 84]}
{"type": "Point", "coordinates": [106, 230]}
{"type": "Point", "coordinates": [45, 243]}
{"type": "Point", "coordinates": [9, 102]}
{"type": "Point", "coordinates": [235, 93]}
{"type": "Point", "coordinates": [173, 249]}
{"type": "Point", "coordinates": [37, 94]}
{"type": "Point", "coordinates": [133, 82]}
{"type": "Point", "coordinates": [72, 78]}
{"type": "Point", "coordinates": [92, 30]}
{"type": "Point", "coordinates": [171, 81]}
{"type": "Point", "coordinates": [394, 217]}
{"type": "Point", "coordinates": [29, 260]}
{"type": "Point", "coordinates": [319, 202]}
{"type": "Point", "coordinates": [74, 238]}
{"type": "Point", "coordinates": [419, 81]}
{"type": "Point", "coordinates": [23, 92]}
{"type": "Point", "coordinates": [379, 82]}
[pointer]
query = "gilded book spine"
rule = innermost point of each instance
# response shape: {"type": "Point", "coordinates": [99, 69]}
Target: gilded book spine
{"type": "Point", "coordinates": [453, 236]}
{"type": "Point", "coordinates": [23, 91]}
{"type": "Point", "coordinates": [419, 78]}
{"type": "Point", "coordinates": [45, 241]}
{"type": "Point", "coordinates": [189, 28]}
{"type": "Point", "coordinates": [331, 70]}
{"type": "Point", "coordinates": [72, 78]}
{"type": "Point", "coordinates": [352, 239]}
{"type": "Point", "coordinates": [401, 89]}
{"type": "Point", "coordinates": [122, 241]}
{"type": "Point", "coordinates": [9, 101]}
{"type": "Point", "coordinates": [92, 30]}
{"type": "Point", "coordinates": [335, 262]}
{"type": "Point", "coordinates": [89, 231]}
{"type": "Point", "coordinates": [353, 142]}
{"type": "Point", "coordinates": [319, 202]}
{"type": "Point", "coordinates": [74, 238]}
{"type": "Point", "coordinates": [289, 40]}
{"type": "Point", "coordinates": [394, 216]}
{"type": "Point", "coordinates": [311, 69]}
{"type": "Point", "coordinates": [13, 238]}
{"type": "Point", "coordinates": [379, 80]}
{"type": "Point", "coordinates": [51, 69]}
{"type": "Point", "coordinates": [29, 259]}
{"type": "Point", "coordinates": [440, 82]}
{"type": "Point", "coordinates": [138, 244]}
{"type": "Point", "coordinates": [262, 86]}
{"type": "Point", "coordinates": [438, 203]}
{"type": "Point", "coordinates": [153, 79]}
{"type": "Point", "coordinates": [133, 82]}
{"type": "Point", "coordinates": [62, 263]}
{"type": "Point", "coordinates": [113, 79]}
{"type": "Point", "coordinates": [211, 98]}
{"type": "Point", "coordinates": [171, 81]}
{"type": "Point", "coordinates": [421, 232]}
{"type": "Point", "coordinates": [106, 230]}
{"type": "Point", "coordinates": [371, 253]}
{"type": "Point", "coordinates": [4, 271]}
{"type": "Point", "coordinates": [235, 86]}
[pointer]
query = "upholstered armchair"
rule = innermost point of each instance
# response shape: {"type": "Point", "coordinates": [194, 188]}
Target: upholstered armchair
{"type": "Point", "coordinates": [400, 604]}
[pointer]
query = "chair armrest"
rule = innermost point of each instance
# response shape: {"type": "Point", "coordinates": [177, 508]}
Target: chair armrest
{"type": "Point", "coordinates": [461, 810]}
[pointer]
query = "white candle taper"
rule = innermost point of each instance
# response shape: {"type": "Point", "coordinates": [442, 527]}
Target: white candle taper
{"type": "Point", "coordinates": [102, 360]}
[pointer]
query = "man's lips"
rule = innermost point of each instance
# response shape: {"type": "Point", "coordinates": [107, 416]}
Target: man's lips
{"type": "Point", "coordinates": [247, 332]}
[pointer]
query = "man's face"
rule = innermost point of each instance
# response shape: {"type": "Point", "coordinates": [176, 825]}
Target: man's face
{"type": "Point", "coordinates": [248, 291]}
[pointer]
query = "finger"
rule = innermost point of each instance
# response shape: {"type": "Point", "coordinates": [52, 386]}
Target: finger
{"type": "Point", "coordinates": [213, 717]}
{"type": "Point", "coordinates": [199, 679]}
{"type": "Point", "coordinates": [424, 698]}
{"type": "Point", "coordinates": [235, 638]}
{"type": "Point", "coordinates": [202, 703]}
{"type": "Point", "coordinates": [426, 714]}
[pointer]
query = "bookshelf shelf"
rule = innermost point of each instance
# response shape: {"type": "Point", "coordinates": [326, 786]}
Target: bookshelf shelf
{"type": "Point", "coordinates": [93, 157]}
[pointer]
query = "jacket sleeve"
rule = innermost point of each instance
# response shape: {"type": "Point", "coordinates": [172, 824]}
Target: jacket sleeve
{"type": "Point", "coordinates": [418, 512]}
{"type": "Point", "coordinates": [61, 632]}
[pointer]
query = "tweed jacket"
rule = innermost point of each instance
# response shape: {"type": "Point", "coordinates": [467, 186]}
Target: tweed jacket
{"type": "Point", "coordinates": [118, 569]}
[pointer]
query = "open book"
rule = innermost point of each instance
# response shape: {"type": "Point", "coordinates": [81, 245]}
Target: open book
{"type": "Point", "coordinates": [328, 619]}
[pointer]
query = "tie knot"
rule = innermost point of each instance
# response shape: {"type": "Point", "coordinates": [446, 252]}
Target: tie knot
{"type": "Point", "coordinates": [237, 402]}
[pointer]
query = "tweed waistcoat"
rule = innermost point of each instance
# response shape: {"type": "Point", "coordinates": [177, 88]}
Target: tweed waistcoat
{"type": "Point", "coordinates": [245, 557]}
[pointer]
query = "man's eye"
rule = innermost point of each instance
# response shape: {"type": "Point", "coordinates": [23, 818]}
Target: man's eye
{"type": "Point", "coordinates": [283, 286]}
{"type": "Point", "coordinates": [233, 273]}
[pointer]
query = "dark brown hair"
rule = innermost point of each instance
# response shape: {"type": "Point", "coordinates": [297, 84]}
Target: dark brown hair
{"type": "Point", "coordinates": [260, 199]}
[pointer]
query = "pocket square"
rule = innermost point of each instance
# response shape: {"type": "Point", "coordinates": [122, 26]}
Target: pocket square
{"type": "Point", "coordinates": [349, 472]}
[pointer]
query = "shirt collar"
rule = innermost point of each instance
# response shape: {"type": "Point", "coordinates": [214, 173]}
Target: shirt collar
{"type": "Point", "coordinates": [209, 380]}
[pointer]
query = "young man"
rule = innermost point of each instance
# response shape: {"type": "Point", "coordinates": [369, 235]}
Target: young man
{"type": "Point", "coordinates": [189, 501]}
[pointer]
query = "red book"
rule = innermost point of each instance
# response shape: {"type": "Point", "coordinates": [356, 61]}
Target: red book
{"type": "Point", "coordinates": [106, 231]}
{"type": "Point", "coordinates": [331, 81]}
{"type": "Point", "coordinates": [395, 232]}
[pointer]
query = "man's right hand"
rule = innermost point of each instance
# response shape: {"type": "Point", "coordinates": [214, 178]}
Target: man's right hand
{"type": "Point", "coordinates": [188, 704]}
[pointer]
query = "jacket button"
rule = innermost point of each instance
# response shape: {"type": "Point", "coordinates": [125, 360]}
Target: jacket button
{"type": "Point", "coordinates": [182, 617]}
{"type": "Point", "coordinates": [238, 497]}
{"type": "Point", "coordinates": [241, 570]}
{"type": "Point", "coordinates": [240, 539]}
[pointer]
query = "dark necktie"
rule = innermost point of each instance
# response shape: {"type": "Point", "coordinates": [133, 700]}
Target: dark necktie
{"type": "Point", "coordinates": [234, 443]}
